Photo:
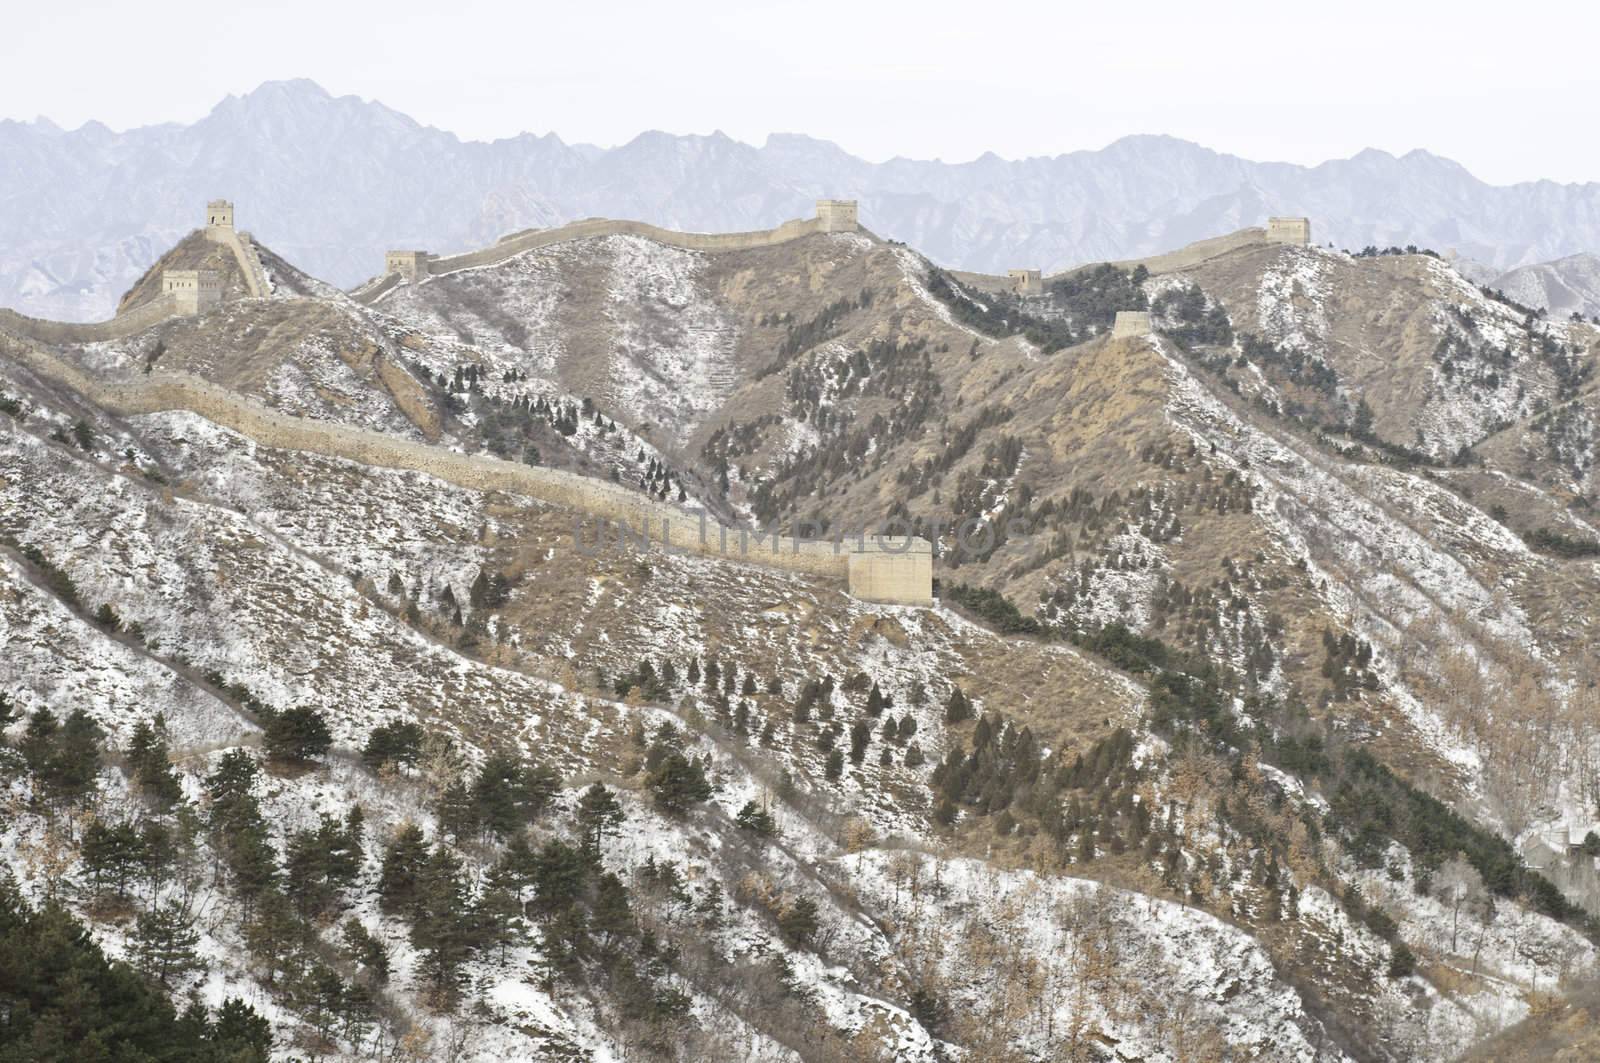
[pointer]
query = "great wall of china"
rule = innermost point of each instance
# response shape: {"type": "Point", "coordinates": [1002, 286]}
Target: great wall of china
{"type": "Point", "coordinates": [833, 216]}
{"type": "Point", "coordinates": [894, 571]}
{"type": "Point", "coordinates": [898, 571]}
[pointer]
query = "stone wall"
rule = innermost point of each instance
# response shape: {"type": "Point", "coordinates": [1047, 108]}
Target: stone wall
{"type": "Point", "coordinates": [120, 327]}
{"type": "Point", "coordinates": [898, 579]}
{"type": "Point", "coordinates": [376, 289]}
{"type": "Point", "coordinates": [192, 290]}
{"type": "Point", "coordinates": [837, 215]}
{"type": "Point", "coordinates": [1131, 323]}
{"type": "Point", "coordinates": [255, 275]}
{"type": "Point", "coordinates": [1289, 231]}
{"type": "Point", "coordinates": [409, 266]}
{"type": "Point", "coordinates": [219, 214]}
{"type": "Point", "coordinates": [597, 227]}
{"type": "Point", "coordinates": [895, 572]}
{"type": "Point", "coordinates": [1184, 257]}
{"type": "Point", "coordinates": [1026, 281]}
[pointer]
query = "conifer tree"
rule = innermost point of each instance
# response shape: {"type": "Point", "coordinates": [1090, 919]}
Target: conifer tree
{"type": "Point", "coordinates": [403, 861]}
{"type": "Point", "coordinates": [457, 810]}
{"type": "Point", "coordinates": [753, 817]}
{"type": "Point", "coordinates": [860, 736]}
{"type": "Point", "coordinates": [441, 922]}
{"type": "Point", "coordinates": [151, 765]}
{"type": "Point", "coordinates": [958, 707]}
{"type": "Point", "coordinates": [111, 855]}
{"type": "Point", "coordinates": [398, 742]}
{"type": "Point", "coordinates": [38, 745]}
{"type": "Point", "coordinates": [598, 812]}
{"type": "Point", "coordinates": [677, 783]}
{"type": "Point", "coordinates": [297, 735]}
{"type": "Point", "coordinates": [164, 943]}
{"type": "Point", "coordinates": [367, 951]}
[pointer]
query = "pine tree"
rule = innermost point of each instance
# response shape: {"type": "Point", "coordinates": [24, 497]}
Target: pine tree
{"type": "Point", "coordinates": [367, 951]}
{"type": "Point", "coordinates": [241, 1035]}
{"type": "Point", "coordinates": [499, 909]}
{"type": "Point", "coordinates": [798, 922]}
{"type": "Point", "coordinates": [509, 796]}
{"type": "Point", "coordinates": [403, 861]}
{"type": "Point", "coordinates": [559, 871]}
{"type": "Point", "coordinates": [151, 765]}
{"type": "Point", "coordinates": [38, 745]}
{"type": "Point", "coordinates": [678, 783]}
{"type": "Point", "coordinates": [398, 742]}
{"type": "Point", "coordinates": [860, 737]}
{"type": "Point", "coordinates": [598, 812]}
{"type": "Point", "coordinates": [111, 855]}
{"type": "Point", "coordinates": [834, 766]}
{"type": "Point", "coordinates": [441, 923]}
{"type": "Point", "coordinates": [164, 943]}
{"type": "Point", "coordinates": [958, 707]}
{"type": "Point", "coordinates": [611, 913]}
{"type": "Point", "coordinates": [297, 735]}
{"type": "Point", "coordinates": [457, 811]}
{"type": "Point", "coordinates": [753, 817]}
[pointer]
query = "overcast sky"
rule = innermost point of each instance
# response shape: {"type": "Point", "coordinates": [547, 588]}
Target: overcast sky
{"type": "Point", "coordinates": [1509, 90]}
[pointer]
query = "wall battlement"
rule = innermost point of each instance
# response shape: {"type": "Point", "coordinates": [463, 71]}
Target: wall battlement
{"type": "Point", "coordinates": [833, 215]}
{"type": "Point", "coordinates": [894, 571]}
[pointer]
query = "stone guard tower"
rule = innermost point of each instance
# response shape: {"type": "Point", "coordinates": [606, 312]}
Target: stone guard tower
{"type": "Point", "coordinates": [1026, 281]}
{"type": "Point", "coordinates": [1131, 323]}
{"type": "Point", "coordinates": [1289, 231]}
{"type": "Point", "coordinates": [837, 215]}
{"type": "Point", "coordinates": [193, 290]}
{"type": "Point", "coordinates": [411, 265]}
{"type": "Point", "coordinates": [219, 214]}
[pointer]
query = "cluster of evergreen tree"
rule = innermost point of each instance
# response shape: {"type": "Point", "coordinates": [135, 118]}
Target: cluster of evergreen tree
{"type": "Point", "coordinates": [1087, 805]}
{"type": "Point", "coordinates": [1075, 308]}
{"type": "Point", "coordinates": [504, 797]}
{"type": "Point", "coordinates": [919, 477]}
{"type": "Point", "coordinates": [1188, 322]}
{"type": "Point", "coordinates": [807, 334]}
{"type": "Point", "coordinates": [62, 1001]}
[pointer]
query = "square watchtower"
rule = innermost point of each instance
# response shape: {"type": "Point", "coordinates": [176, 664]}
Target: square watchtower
{"type": "Point", "coordinates": [219, 214]}
{"type": "Point", "coordinates": [1289, 231]}
{"type": "Point", "coordinates": [1026, 281]}
{"type": "Point", "coordinates": [837, 215]}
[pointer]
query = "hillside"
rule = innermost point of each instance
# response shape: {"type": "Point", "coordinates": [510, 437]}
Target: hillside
{"type": "Point", "coordinates": [336, 181]}
{"type": "Point", "coordinates": [1261, 668]}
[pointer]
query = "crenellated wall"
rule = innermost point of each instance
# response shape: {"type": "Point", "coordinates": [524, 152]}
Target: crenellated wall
{"type": "Point", "coordinates": [897, 572]}
{"type": "Point", "coordinates": [833, 216]}
{"type": "Point", "coordinates": [120, 327]}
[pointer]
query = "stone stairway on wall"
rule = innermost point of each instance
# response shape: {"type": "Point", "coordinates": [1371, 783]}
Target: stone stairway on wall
{"type": "Point", "coordinates": [255, 274]}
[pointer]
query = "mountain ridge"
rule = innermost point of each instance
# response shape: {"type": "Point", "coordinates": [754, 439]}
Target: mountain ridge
{"type": "Point", "coordinates": [332, 181]}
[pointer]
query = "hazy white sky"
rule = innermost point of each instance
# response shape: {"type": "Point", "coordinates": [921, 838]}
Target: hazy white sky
{"type": "Point", "coordinates": [1507, 89]}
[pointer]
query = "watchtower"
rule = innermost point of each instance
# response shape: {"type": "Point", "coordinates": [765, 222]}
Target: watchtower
{"type": "Point", "coordinates": [192, 290]}
{"type": "Point", "coordinates": [1289, 231]}
{"type": "Point", "coordinates": [837, 215]}
{"type": "Point", "coordinates": [1026, 281]}
{"type": "Point", "coordinates": [219, 214]}
{"type": "Point", "coordinates": [1131, 323]}
{"type": "Point", "coordinates": [411, 265]}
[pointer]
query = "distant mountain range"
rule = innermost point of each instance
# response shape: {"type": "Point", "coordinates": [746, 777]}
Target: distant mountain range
{"type": "Point", "coordinates": [331, 182]}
